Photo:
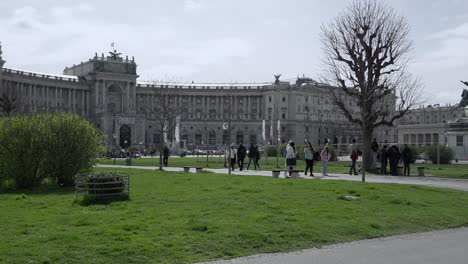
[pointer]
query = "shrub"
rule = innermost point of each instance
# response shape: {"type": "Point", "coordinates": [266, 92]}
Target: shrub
{"type": "Point", "coordinates": [133, 149]}
{"type": "Point", "coordinates": [22, 151]}
{"type": "Point", "coordinates": [270, 151]}
{"type": "Point", "coordinates": [72, 146]}
{"type": "Point", "coordinates": [445, 154]}
{"type": "Point", "coordinates": [46, 145]}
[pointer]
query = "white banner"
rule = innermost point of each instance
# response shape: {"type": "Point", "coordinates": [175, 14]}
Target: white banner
{"type": "Point", "coordinates": [279, 130]}
{"type": "Point", "coordinates": [263, 131]}
{"type": "Point", "coordinates": [271, 129]}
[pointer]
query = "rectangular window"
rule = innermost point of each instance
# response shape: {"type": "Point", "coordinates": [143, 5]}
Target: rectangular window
{"type": "Point", "coordinates": [459, 141]}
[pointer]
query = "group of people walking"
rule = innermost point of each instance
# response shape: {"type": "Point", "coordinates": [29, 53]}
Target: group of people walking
{"type": "Point", "coordinates": [238, 156]}
{"type": "Point", "coordinates": [387, 156]}
{"type": "Point", "coordinates": [310, 157]}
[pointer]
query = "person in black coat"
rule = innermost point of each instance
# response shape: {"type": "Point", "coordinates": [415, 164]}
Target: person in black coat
{"type": "Point", "coordinates": [251, 155]}
{"type": "Point", "coordinates": [241, 153]}
{"type": "Point", "coordinates": [406, 156]}
{"type": "Point", "coordinates": [383, 160]}
{"type": "Point", "coordinates": [394, 157]}
{"type": "Point", "coordinates": [166, 153]}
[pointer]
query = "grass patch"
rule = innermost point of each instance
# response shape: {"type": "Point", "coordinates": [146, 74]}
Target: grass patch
{"type": "Point", "coordinates": [183, 218]}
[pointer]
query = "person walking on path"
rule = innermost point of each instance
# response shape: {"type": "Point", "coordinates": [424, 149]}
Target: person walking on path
{"type": "Point", "coordinates": [166, 153]}
{"type": "Point", "coordinates": [325, 157]}
{"type": "Point", "coordinates": [406, 156]}
{"type": "Point", "coordinates": [383, 160]}
{"type": "Point", "coordinates": [309, 158]}
{"type": "Point", "coordinates": [375, 150]}
{"type": "Point", "coordinates": [290, 157]}
{"type": "Point", "coordinates": [394, 157]}
{"type": "Point", "coordinates": [353, 153]}
{"type": "Point", "coordinates": [232, 157]}
{"type": "Point", "coordinates": [241, 153]}
{"type": "Point", "coordinates": [251, 155]}
{"type": "Point", "coordinates": [256, 157]}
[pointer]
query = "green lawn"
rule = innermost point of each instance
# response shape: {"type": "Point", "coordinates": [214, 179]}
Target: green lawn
{"type": "Point", "coordinates": [445, 170]}
{"type": "Point", "coordinates": [183, 218]}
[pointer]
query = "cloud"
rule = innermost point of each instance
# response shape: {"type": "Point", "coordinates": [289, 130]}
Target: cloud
{"type": "Point", "coordinates": [25, 18]}
{"type": "Point", "coordinates": [191, 4]}
{"type": "Point", "coordinates": [450, 51]}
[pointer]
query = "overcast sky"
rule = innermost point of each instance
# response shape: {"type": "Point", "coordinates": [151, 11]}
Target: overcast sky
{"type": "Point", "coordinates": [222, 40]}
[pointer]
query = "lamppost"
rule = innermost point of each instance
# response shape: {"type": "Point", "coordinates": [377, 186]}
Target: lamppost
{"type": "Point", "coordinates": [229, 129]}
{"type": "Point", "coordinates": [277, 95]}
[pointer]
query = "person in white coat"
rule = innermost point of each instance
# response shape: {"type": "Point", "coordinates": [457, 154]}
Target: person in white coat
{"type": "Point", "coordinates": [290, 157]}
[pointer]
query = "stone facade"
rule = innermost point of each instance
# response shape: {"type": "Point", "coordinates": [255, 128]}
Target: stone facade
{"type": "Point", "coordinates": [105, 90]}
{"type": "Point", "coordinates": [427, 125]}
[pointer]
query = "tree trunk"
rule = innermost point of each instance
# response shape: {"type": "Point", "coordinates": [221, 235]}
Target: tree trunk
{"type": "Point", "coordinates": [366, 150]}
{"type": "Point", "coordinates": [161, 147]}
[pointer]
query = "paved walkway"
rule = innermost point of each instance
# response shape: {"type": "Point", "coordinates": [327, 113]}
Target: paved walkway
{"type": "Point", "coordinates": [459, 184]}
{"type": "Point", "coordinates": [447, 246]}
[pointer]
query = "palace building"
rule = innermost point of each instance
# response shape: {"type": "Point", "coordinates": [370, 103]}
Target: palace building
{"type": "Point", "coordinates": [106, 91]}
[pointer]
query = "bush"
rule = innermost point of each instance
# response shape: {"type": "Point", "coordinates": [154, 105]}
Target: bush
{"type": "Point", "coordinates": [57, 146]}
{"type": "Point", "coordinates": [445, 154]}
{"type": "Point", "coordinates": [133, 149]}
{"type": "Point", "coordinates": [270, 151]}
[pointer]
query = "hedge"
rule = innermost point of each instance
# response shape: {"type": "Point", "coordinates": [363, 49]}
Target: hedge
{"type": "Point", "coordinates": [52, 145]}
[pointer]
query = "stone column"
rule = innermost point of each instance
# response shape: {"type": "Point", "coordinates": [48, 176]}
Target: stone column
{"type": "Point", "coordinates": [128, 105]}
{"type": "Point", "coordinates": [217, 107]}
{"type": "Point", "coordinates": [70, 106]}
{"type": "Point", "coordinates": [221, 104]}
{"type": "Point", "coordinates": [83, 109]}
{"type": "Point", "coordinates": [104, 104]}
{"type": "Point", "coordinates": [97, 94]}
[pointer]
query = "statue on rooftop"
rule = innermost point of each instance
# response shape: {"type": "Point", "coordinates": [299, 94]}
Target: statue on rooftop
{"type": "Point", "coordinates": [464, 95]}
{"type": "Point", "coordinates": [115, 55]}
{"type": "Point", "coordinates": [277, 81]}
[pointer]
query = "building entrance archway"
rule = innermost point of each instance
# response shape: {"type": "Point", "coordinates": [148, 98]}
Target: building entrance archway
{"type": "Point", "coordinates": [125, 136]}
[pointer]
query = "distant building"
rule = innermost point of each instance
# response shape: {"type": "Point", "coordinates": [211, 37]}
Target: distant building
{"type": "Point", "coordinates": [105, 90]}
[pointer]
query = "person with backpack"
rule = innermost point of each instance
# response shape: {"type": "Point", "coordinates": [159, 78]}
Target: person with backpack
{"type": "Point", "coordinates": [406, 156]}
{"type": "Point", "coordinates": [394, 158]}
{"type": "Point", "coordinates": [290, 157]}
{"type": "Point", "coordinates": [166, 153]}
{"type": "Point", "coordinates": [309, 158]}
{"type": "Point", "coordinates": [256, 157]}
{"type": "Point", "coordinates": [241, 153]}
{"type": "Point", "coordinates": [353, 153]}
{"type": "Point", "coordinates": [232, 157]}
{"type": "Point", "coordinates": [251, 155]}
{"type": "Point", "coordinates": [375, 150]}
{"type": "Point", "coordinates": [383, 160]}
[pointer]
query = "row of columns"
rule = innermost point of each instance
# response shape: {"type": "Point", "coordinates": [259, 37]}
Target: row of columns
{"type": "Point", "coordinates": [128, 94]}
{"type": "Point", "coordinates": [422, 139]}
{"type": "Point", "coordinates": [34, 96]}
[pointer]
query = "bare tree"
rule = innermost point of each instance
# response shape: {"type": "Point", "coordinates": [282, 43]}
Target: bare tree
{"type": "Point", "coordinates": [165, 114]}
{"type": "Point", "coordinates": [366, 53]}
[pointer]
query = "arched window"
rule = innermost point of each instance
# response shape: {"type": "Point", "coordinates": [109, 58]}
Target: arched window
{"type": "Point", "coordinates": [253, 138]}
{"type": "Point", "coordinates": [226, 137]}
{"type": "Point", "coordinates": [212, 138]}
{"type": "Point", "coordinates": [198, 139]}
{"type": "Point", "coordinates": [239, 137]}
